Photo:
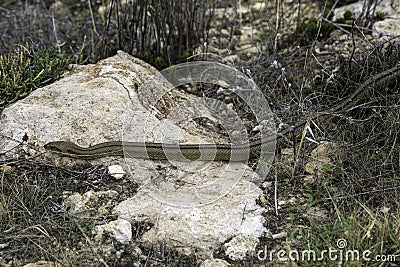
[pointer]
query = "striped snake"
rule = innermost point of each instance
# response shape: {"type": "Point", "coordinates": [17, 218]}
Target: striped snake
{"type": "Point", "coordinates": [149, 150]}
{"type": "Point", "coordinates": [218, 152]}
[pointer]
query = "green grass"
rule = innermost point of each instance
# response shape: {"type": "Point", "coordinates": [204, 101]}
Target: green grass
{"type": "Point", "coordinates": [27, 69]}
{"type": "Point", "coordinates": [354, 238]}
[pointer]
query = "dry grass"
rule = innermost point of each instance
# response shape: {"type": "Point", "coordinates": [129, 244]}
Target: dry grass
{"type": "Point", "coordinates": [357, 197]}
{"type": "Point", "coordinates": [36, 225]}
{"type": "Point", "coordinates": [162, 33]}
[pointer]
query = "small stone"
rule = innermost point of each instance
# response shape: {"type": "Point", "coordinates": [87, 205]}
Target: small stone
{"type": "Point", "coordinates": [230, 59]}
{"type": "Point", "coordinates": [225, 33]}
{"type": "Point", "coordinates": [324, 150]}
{"type": "Point", "coordinates": [260, 6]}
{"type": "Point", "coordinates": [120, 230]}
{"type": "Point", "coordinates": [293, 200]}
{"type": "Point", "coordinates": [80, 204]}
{"type": "Point", "coordinates": [263, 199]}
{"type": "Point", "coordinates": [282, 202]}
{"type": "Point", "coordinates": [214, 263]}
{"type": "Point", "coordinates": [223, 84]}
{"type": "Point", "coordinates": [5, 168]}
{"type": "Point", "coordinates": [102, 211]}
{"type": "Point", "coordinates": [319, 157]}
{"type": "Point", "coordinates": [316, 165]}
{"type": "Point", "coordinates": [230, 105]}
{"type": "Point", "coordinates": [279, 235]}
{"type": "Point", "coordinates": [267, 184]}
{"type": "Point", "coordinates": [308, 179]}
{"type": "Point", "coordinates": [240, 246]}
{"type": "Point", "coordinates": [116, 171]}
{"type": "Point", "coordinates": [42, 264]}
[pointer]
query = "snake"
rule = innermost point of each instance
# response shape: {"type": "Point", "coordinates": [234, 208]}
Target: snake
{"type": "Point", "coordinates": [163, 151]}
{"type": "Point", "coordinates": [209, 152]}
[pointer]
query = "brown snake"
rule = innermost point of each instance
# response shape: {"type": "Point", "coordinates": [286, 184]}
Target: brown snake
{"type": "Point", "coordinates": [180, 152]}
{"type": "Point", "coordinates": [218, 152]}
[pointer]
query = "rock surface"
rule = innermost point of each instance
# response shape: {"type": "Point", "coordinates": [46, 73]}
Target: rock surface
{"type": "Point", "coordinates": [43, 264]}
{"type": "Point", "coordinates": [88, 106]}
{"type": "Point", "coordinates": [320, 158]}
{"type": "Point", "coordinates": [206, 227]}
{"type": "Point", "coordinates": [239, 247]}
{"type": "Point", "coordinates": [390, 8]}
{"type": "Point", "coordinates": [120, 230]}
{"type": "Point", "coordinates": [214, 263]}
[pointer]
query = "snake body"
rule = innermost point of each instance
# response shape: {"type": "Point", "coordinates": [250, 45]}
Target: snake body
{"type": "Point", "coordinates": [149, 150]}
{"type": "Point", "coordinates": [219, 152]}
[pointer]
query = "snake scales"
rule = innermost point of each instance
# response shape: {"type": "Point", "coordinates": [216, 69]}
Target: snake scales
{"type": "Point", "coordinates": [218, 152]}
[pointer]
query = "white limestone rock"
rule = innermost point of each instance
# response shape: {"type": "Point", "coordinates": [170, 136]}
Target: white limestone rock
{"type": "Point", "coordinates": [83, 204]}
{"type": "Point", "coordinates": [386, 28]}
{"type": "Point", "coordinates": [116, 171]}
{"type": "Point", "coordinates": [389, 7]}
{"type": "Point", "coordinates": [120, 230]}
{"type": "Point", "coordinates": [87, 106]}
{"type": "Point", "coordinates": [241, 246]}
{"type": "Point", "coordinates": [198, 229]}
{"type": "Point", "coordinates": [389, 27]}
{"type": "Point", "coordinates": [214, 263]}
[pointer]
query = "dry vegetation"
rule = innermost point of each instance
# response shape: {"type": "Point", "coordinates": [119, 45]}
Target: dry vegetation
{"type": "Point", "coordinates": [356, 197]}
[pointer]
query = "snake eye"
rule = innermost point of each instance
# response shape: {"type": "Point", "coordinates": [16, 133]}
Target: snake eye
{"type": "Point", "coordinates": [52, 147]}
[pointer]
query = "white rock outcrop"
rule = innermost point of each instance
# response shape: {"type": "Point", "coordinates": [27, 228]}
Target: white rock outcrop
{"type": "Point", "coordinates": [204, 228]}
{"type": "Point", "coordinates": [87, 106]}
{"type": "Point", "coordinates": [192, 206]}
{"type": "Point", "coordinates": [389, 27]}
{"type": "Point", "coordinates": [120, 230]}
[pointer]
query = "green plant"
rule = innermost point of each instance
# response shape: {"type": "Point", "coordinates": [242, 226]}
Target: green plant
{"type": "Point", "coordinates": [237, 32]}
{"type": "Point", "coordinates": [379, 16]}
{"type": "Point", "coordinates": [348, 15]}
{"type": "Point", "coordinates": [310, 30]}
{"type": "Point", "coordinates": [349, 238]}
{"type": "Point", "coordinates": [347, 18]}
{"type": "Point", "coordinates": [27, 69]}
{"type": "Point", "coordinates": [288, 182]}
{"type": "Point", "coordinates": [335, 3]}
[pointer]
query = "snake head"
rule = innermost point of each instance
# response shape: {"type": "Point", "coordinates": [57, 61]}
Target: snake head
{"type": "Point", "coordinates": [56, 146]}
